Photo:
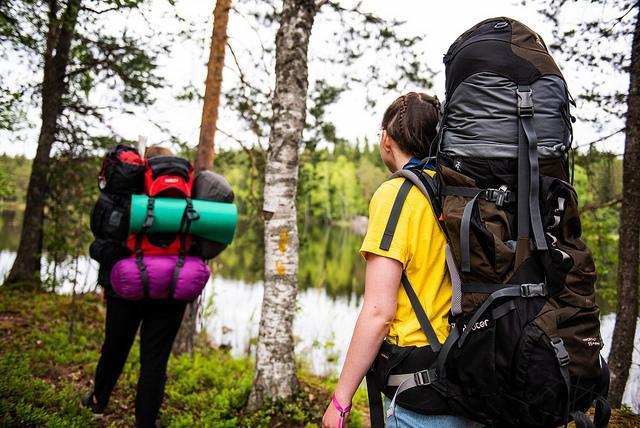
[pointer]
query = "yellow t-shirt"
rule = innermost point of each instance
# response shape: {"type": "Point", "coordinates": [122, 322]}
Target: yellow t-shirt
{"type": "Point", "coordinates": [419, 244]}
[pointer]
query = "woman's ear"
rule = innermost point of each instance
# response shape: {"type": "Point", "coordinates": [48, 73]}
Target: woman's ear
{"type": "Point", "coordinates": [387, 142]}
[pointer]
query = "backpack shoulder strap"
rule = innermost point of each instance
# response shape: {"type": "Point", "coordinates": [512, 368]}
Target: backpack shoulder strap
{"type": "Point", "coordinates": [426, 184]}
{"type": "Point", "coordinates": [396, 210]}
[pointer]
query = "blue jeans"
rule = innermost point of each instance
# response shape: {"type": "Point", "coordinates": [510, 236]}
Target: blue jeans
{"type": "Point", "coordinates": [403, 418]}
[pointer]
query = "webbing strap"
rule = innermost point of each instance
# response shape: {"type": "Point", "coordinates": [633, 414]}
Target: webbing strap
{"type": "Point", "coordinates": [396, 210]}
{"type": "Point", "coordinates": [144, 277]}
{"type": "Point", "coordinates": [185, 226]}
{"type": "Point", "coordinates": [376, 411]}
{"type": "Point", "coordinates": [425, 183]}
{"type": "Point", "coordinates": [525, 109]}
{"type": "Point", "coordinates": [454, 334]}
{"type": "Point", "coordinates": [146, 225]}
{"type": "Point", "coordinates": [456, 282]}
{"type": "Point", "coordinates": [563, 362]}
{"type": "Point", "coordinates": [523, 290]}
{"type": "Point", "coordinates": [408, 381]}
{"type": "Point", "coordinates": [425, 324]}
{"type": "Point", "coordinates": [465, 229]}
{"type": "Point", "coordinates": [482, 288]}
{"type": "Point", "coordinates": [499, 196]}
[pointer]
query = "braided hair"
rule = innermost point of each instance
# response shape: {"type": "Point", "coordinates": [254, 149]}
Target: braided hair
{"type": "Point", "coordinates": [411, 122]}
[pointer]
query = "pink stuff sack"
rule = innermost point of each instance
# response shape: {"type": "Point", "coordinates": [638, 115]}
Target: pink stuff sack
{"type": "Point", "coordinates": [127, 281]}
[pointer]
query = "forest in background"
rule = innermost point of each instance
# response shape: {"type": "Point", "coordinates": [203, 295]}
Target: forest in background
{"type": "Point", "coordinates": [334, 187]}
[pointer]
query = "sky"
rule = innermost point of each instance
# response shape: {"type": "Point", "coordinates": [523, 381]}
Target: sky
{"type": "Point", "coordinates": [439, 22]}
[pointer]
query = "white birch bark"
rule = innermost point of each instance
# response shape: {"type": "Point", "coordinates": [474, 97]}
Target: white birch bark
{"type": "Point", "coordinates": [275, 370]}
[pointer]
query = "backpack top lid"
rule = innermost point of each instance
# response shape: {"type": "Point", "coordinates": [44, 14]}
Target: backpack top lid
{"type": "Point", "coordinates": [122, 171]}
{"type": "Point", "coordinates": [499, 45]}
{"type": "Point", "coordinates": [169, 176]}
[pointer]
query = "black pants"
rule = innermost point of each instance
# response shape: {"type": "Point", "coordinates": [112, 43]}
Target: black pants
{"type": "Point", "coordinates": [160, 323]}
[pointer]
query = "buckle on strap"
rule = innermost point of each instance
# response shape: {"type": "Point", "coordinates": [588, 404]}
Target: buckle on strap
{"type": "Point", "coordinates": [561, 352]}
{"type": "Point", "coordinates": [425, 377]}
{"type": "Point", "coordinates": [533, 290]}
{"type": "Point", "coordinates": [149, 217]}
{"type": "Point", "coordinates": [525, 102]}
{"type": "Point", "coordinates": [499, 196]}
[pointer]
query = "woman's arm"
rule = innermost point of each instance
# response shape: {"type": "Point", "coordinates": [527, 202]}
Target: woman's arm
{"type": "Point", "coordinates": [380, 299]}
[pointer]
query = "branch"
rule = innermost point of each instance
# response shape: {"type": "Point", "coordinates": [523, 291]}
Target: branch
{"type": "Point", "coordinates": [595, 207]}
{"type": "Point", "coordinates": [242, 145]}
{"type": "Point", "coordinates": [99, 12]}
{"type": "Point", "coordinates": [252, 160]}
{"type": "Point", "coordinates": [241, 73]}
{"type": "Point", "coordinates": [601, 139]}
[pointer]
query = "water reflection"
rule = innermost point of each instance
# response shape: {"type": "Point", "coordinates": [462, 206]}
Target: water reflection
{"type": "Point", "coordinates": [328, 259]}
{"type": "Point", "coordinates": [10, 223]}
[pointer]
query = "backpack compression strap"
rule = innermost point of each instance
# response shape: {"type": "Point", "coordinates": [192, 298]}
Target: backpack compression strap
{"type": "Point", "coordinates": [146, 225]}
{"type": "Point", "coordinates": [530, 177]}
{"type": "Point", "coordinates": [189, 215]}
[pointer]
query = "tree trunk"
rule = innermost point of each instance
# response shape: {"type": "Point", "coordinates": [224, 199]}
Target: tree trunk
{"type": "Point", "coordinates": [26, 267]}
{"type": "Point", "coordinates": [204, 158]}
{"type": "Point", "coordinates": [627, 307]}
{"type": "Point", "coordinates": [275, 369]}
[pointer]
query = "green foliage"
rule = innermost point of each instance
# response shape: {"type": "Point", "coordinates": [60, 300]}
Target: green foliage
{"type": "Point", "coordinates": [44, 372]}
{"type": "Point", "coordinates": [598, 182]}
{"type": "Point", "coordinates": [7, 190]}
{"type": "Point", "coordinates": [14, 177]}
{"type": "Point", "coordinates": [72, 193]}
{"type": "Point", "coordinates": [10, 111]}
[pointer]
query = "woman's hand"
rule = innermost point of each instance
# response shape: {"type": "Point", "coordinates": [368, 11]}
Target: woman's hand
{"type": "Point", "coordinates": [331, 418]}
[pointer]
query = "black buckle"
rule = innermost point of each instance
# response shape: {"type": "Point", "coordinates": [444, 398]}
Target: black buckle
{"type": "Point", "coordinates": [532, 290]}
{"type": "Point", "coordinates": [193, 215]}
{"type": "Point", "coordinates": [148, 219]}
{"type": "Point", "coordinates": [561, 352]}
{"type": "Point", "coordinates": [525, 103]}
{"type": "Point", "coordinates": [498, 196]}
{"type": "Point", "coordinates": [425, 377]}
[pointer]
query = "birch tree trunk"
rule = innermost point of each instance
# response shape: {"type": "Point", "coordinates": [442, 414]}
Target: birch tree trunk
{"type": "Point", "coordinates": [275, 370]}
{"type": "Point", "coordinates": [204, 159]}
{"type": "Point", "coordinates": [629, 251]}
{"type": "Point", "coordinates": [26, 267]}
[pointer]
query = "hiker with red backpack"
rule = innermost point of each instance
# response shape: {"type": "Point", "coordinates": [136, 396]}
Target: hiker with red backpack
{"type": "Point", "coordinates": [148, 277]}
{"type": "Point", "coordinates": [496, 319]}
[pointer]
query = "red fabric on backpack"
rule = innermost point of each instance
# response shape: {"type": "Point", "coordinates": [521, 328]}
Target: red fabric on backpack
{"type": "Point", "coordinates": [169, 185]}
{"type": "Point", "coordinates": [131, 157]}
{"type": "Point", "coordinates": [150, 249]}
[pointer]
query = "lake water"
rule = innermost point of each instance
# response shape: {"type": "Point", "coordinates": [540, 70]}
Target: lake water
{"type": "Point", "coordinates": [331, 282]}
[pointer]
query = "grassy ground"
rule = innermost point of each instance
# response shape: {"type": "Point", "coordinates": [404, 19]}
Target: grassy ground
{"type": "Point", "coordinates": [45, 368]}
{"type": "Point", "coordinates": [47, 363]}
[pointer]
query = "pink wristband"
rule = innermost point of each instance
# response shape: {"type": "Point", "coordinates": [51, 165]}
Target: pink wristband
{"type": "Point", "coordinates": [344, 411]}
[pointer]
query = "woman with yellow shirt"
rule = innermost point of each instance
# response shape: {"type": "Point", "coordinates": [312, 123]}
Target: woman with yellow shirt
{"type": "Point", "coordinates": [417, 250]}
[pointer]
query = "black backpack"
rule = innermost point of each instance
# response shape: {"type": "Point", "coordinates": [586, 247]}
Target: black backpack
{"type": "Point", "coordinates": [524, 347]}
{"type": "Point", "coordinates": [121, 175]}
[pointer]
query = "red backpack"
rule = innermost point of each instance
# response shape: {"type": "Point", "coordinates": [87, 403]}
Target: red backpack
{"type": "Point", "coordinates": [167, 177]}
